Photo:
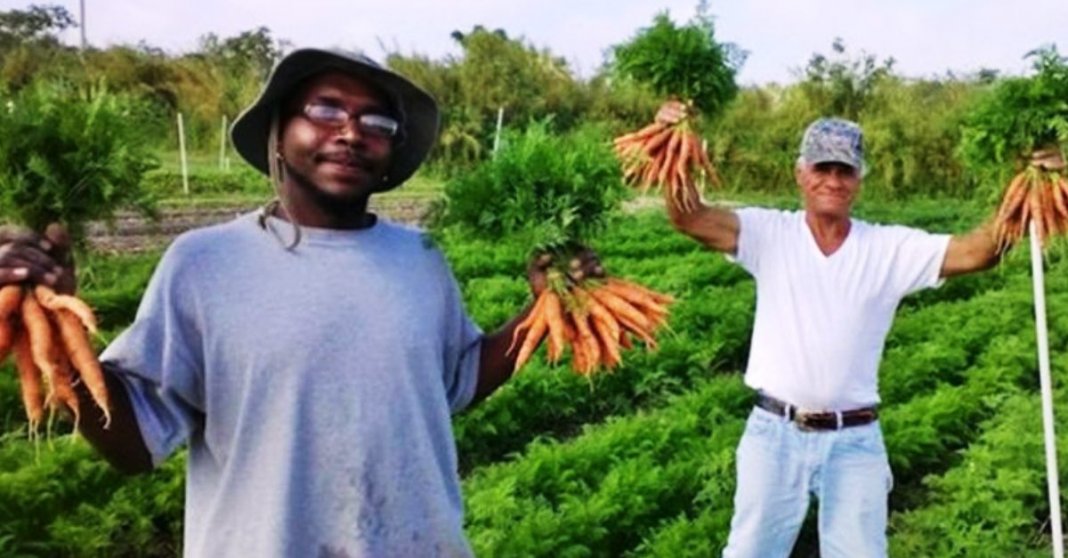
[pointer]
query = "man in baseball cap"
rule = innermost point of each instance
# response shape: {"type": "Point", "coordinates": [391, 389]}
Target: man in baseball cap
{"type": "Point", "coordinates": [827, 289]}
{"type": "Point", "coordinates": [309, 355]}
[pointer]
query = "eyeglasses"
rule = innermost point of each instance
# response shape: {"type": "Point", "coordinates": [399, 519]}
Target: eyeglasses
{"type": "Point", "coordinates": [368, 123]}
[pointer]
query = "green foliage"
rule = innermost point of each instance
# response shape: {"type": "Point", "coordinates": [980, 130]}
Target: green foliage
{"type": "Point", "coordinates": [841, 86]}
{"type": "Point", "coordinates": [37, 24]}
{"type": "Point", "coordinates": [1018, 116]}
{"type": "Point", "coordinates": [240, 180]}
{"type": "Point", "coordinates": [552, 189]}
{"type": "Point", "coordinates": [754, 144]}
{"type": "Point", "coordinates": [494, 72]}
{"type": "Point", "coordinates": [71, 156]}
{"type": "Point", "coordinates": [641, 462]}
{"type": "Point", "coordinates": [682, 61]}
{"type": "Point", "coordinates": [908, 151]}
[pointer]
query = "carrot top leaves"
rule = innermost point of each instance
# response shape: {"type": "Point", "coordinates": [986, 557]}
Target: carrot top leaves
{"type": "Point", "coordinates": [683, 61]}
{"type": "Point", "coordinates": [71, 155]}
{"type": "Point", "coordinates": [1018, 116]}
{"type": "Point", "coordinates": [549, 188]}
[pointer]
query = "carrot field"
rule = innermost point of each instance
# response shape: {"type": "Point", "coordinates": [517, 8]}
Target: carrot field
{"type": "Point", "coordinates": [639, 462]}
{"type": "Point", "coordinates": [635, 457]}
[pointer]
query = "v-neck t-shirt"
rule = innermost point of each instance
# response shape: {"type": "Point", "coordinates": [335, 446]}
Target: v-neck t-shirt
{"type": "Point", "coordinates": [822, 319]}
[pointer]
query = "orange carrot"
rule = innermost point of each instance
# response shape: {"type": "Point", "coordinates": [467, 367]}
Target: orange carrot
{"type": "Point", "coordinates": [30, 380]}
{"type": "Point", "coordinates": [54, 302]}
{"type": "Point", "coordinates": [621, 309]}
{"type": "Point", "coordinates": [62, 396]}
{"type": "Point", "coordinates": [554, 318]}
{"type": "Point", "coordinates": [80, 352]}
{"type": "Point", "coordinates": [644, 133]}
{"type": "Point", "coordinates": [10, 301]}
{"type": "Point", "coordinates": [578, 351]}
{"type": "Point", "coordinates": [637, 298]}
{"type": "Point", "coordinates": [39, 330]}
{"type": "Point", "coordinates": [609, 343]}
{"type": "Point", "coordinates": [527, 322]}
{"type": "Point", "coordinates": [584, 336]}
{"type": "Point", "coordinates": [534, 336]}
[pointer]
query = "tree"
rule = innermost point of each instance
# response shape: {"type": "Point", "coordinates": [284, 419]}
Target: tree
{"type": "Point", "coordinates": [842, 86]}
{"type": "Point", "coordinates": [38, 24]}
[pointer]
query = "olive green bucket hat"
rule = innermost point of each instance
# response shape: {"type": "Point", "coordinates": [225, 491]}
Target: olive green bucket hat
{"type": "Point", "coordinates": [416, 110]}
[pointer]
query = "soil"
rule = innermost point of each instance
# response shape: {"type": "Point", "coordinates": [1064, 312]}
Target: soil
{"type": "Point", "coordinates": [131, 232]}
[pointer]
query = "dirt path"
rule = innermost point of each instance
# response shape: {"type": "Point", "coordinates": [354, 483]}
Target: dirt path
{"type": "Point", "coordinates": [133, 233]}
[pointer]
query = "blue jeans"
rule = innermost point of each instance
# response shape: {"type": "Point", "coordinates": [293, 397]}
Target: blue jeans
{"type": "Point", "coordinates": [780, 466]}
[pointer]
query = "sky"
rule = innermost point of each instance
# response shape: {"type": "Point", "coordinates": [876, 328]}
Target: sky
{"type": "Point", "coordinates": [927, 38]}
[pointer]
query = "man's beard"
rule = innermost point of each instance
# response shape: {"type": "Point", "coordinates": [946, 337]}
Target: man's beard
{"type": "Point", "coordinates": [334, 204]}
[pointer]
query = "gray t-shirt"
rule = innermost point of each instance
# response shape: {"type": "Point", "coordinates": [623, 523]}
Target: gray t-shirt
{"type": "Point", "coordinates": [314, 389]}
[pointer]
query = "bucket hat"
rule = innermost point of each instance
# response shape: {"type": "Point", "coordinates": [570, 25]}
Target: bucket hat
{"type": "Point", "coordinates": [417, 112]}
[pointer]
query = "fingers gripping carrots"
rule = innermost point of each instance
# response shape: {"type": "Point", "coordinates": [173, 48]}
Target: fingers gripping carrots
{"type": "Point", "coordinates": [49, 335]}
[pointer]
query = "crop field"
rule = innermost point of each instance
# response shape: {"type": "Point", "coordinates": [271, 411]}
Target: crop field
{"type": "Point", "coordinates": [532, 163]}
{"type": "Point", "coordinates": [640, 462]}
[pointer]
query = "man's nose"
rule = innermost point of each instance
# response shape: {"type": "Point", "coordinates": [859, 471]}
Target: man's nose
{"type": "Point", "coordinates": [349, 131]}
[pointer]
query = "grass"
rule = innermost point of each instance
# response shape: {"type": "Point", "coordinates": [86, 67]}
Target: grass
{"type": "Point", "coordinates": [254, 189]}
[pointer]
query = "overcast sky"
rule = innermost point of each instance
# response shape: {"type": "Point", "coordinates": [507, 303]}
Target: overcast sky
{"type": "Point", "coordinates": [926, 37]}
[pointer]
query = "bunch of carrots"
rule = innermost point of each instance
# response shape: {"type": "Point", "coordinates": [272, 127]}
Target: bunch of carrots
{"type": "Point", "coordinates": [48, 334]}
{"type": "Point", "coordinates": [669, 156]}
{"type": "Point", "coordinates": [596, 318]}
{"type": "Point", "coordinates": [1039, 193]}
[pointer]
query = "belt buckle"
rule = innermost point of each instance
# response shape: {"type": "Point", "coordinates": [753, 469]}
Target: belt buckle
{"type": "Point", "coordinates": [804, 421]}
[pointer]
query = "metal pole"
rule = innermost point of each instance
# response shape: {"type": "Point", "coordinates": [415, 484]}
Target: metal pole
{"type": "Point", "coordinates": [1039, 280]}
{"type": "Point", "coordinates": [181, 149]}
{"type": "Point", "coordinates": [222, 145]}
{"type": "Point", "coordinates": [81, 23]}
{"type": "Point", "coordinates": [497, 134]}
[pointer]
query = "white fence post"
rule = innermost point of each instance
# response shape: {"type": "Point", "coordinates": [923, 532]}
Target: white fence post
{"type": "Point", "coordinates": [181, 149]}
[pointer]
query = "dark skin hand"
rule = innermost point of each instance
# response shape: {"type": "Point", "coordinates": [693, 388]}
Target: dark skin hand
{"type": "Point", "coordinates": [26, 257]}
{"type": "Point", "coordinates": [496, 365]}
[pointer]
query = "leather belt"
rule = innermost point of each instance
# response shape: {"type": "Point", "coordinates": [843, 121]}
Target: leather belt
{"type": "Point", "coordinates": [817, 420]}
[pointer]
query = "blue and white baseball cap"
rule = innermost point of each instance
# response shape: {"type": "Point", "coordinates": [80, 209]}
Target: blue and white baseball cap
{"type": "Point", "coordinates": [834, 140]}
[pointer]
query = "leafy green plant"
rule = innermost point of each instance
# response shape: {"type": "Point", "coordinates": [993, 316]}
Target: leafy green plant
{"type": "Point", "coordinates": [70, 155]}
{"type": "Point", "coordinates": [683, 61]}
{"type": "Point", "coordinates": [1018, 116]}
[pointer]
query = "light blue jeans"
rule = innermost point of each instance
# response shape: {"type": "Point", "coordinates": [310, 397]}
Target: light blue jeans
{"type": "Point", "coordinates": [780, 466]}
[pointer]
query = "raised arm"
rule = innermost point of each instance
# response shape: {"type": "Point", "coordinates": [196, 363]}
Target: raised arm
{"type": "Point", "coordinates": [970, 252]}
{"type": "Point", "coordinates": [715, 227]}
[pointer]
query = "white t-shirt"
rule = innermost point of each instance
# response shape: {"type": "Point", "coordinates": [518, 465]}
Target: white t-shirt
{"type": "Point", "coordinates": [821, 321]}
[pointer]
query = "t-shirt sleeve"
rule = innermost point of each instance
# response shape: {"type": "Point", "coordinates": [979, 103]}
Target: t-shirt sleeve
{"type": "Point", "coordinates": [754, 226]}
{"type": "Point", "coordinates": [159, 359]}
{"type": "Point", "coordinates": [917, 258]}
{"type": "Point", "coordinates": [463, 349]}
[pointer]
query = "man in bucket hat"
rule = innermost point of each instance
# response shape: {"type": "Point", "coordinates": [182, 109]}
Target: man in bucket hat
{"type": "Point", "coordinates": [827, 289]}
{"type": "Point", "coordinates": [310, 354]}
